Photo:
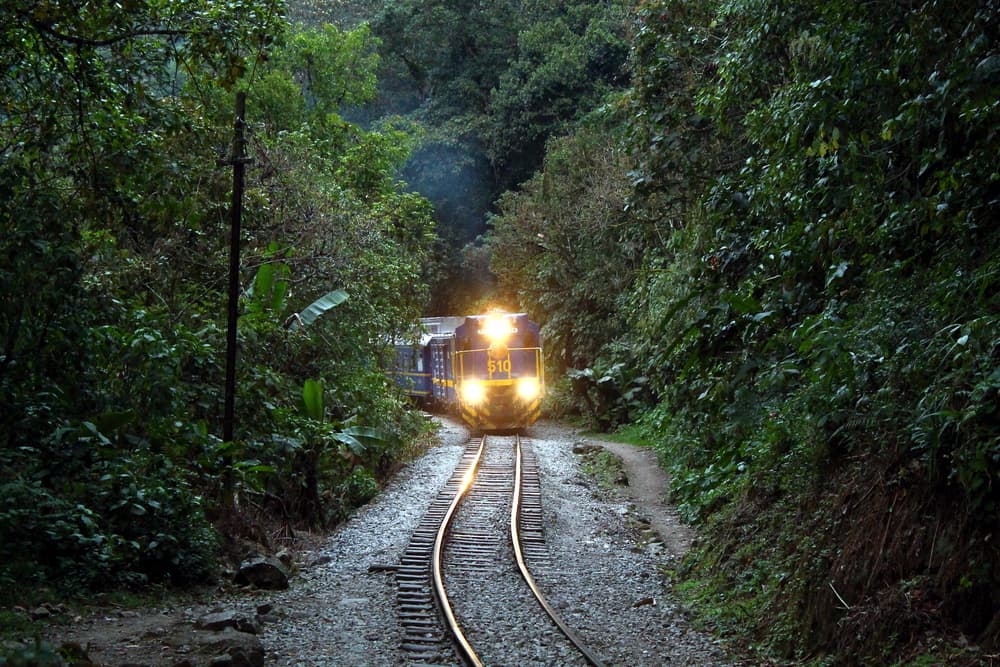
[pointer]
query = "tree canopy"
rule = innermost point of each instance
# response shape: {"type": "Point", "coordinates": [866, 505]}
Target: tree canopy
{"type": "Point", "coordinates": [490, 84]}
{"type": "Point", "coordinates": [115, 225]}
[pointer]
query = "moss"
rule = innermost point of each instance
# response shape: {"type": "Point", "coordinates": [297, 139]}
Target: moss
{"type": "Point", "coordinates": [600, 464]}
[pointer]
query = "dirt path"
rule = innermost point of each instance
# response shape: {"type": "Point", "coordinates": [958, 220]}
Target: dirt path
{"type": "Point", "coordinates": [648, 486]}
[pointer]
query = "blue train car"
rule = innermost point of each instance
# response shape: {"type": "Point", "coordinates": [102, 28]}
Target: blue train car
{"type": "Point", "coordinates": [411, 370]}
{"type": "Point", "coordinates": [420, 367]}
{"type": "Point", "coordinates": [487, 368]}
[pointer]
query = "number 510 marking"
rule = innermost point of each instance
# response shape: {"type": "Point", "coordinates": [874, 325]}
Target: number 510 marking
{"type": "Point", "coordinates": [502, 366]}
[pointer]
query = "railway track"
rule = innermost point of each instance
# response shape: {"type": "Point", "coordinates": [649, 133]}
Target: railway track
{"type": "Point", "coordinates": [465, 588]}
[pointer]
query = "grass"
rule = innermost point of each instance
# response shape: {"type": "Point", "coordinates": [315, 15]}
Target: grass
{"type": "Point", "coordinates": [14, 624]}
{"type": "Point", "coordinates": [606, 468]}
{"type": "Point", "coordinates": [629, 435]}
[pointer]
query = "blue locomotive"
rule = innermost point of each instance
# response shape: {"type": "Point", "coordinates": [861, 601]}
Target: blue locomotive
{"type": "Point", "coordinates": [488, 368]}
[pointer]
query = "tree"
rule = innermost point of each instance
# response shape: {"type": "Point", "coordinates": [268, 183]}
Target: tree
{"type": "Point", "coordinates": [487, 108]}
{"type": "Point", "coordinates": [820, 319]}
{"type": "Point", "coordinates": [562, 248]}
{"type": "Point", "coordinates": [111, 283]}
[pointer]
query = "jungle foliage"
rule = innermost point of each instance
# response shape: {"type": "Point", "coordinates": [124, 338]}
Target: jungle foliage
{"type": "Point", "coordinates": [762, 231]}
{"type": "Point", "coordinates": [489, 83]}
{"type": "Point", "coordinates": [798, 301]}
{"type": "Point", "coordinates": [113, 265]}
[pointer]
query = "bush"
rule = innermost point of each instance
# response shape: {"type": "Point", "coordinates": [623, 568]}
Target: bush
{"type": "Point", "coordinates": [45, 538]}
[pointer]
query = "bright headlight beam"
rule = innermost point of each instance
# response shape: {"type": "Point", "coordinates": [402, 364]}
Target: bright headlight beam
{"type": "Point", "coordinates": [528, 389]}
{"type": "Point", "coordinates": [496, 327]}
{"type": "Point", "coordinates": [473, 392]}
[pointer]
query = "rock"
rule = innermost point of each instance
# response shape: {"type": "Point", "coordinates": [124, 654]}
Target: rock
{"type": "Point", "coordinates": [218, 621]}
{"type": "Point", "coordinates": [39, 613]}
{"type": "Point", "coordinates": [43, 611]}
{"type": "Point", "coordinates": [269, 573]}
{"type": "Point", "coordinates": [285, 556]}
{"type": "Point", "coordinates": [231, 648]}
{"type": "Point", "coordinates": [580, 447]}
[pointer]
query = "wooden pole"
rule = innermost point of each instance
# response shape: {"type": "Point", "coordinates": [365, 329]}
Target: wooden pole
{"type": "Point", "coordinates": [239, 161]}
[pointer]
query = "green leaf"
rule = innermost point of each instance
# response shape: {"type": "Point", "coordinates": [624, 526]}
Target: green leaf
{"type": "Point", "coordinates": [352, 443]}
{"type": "Point", "coordinates": [368, 434]}
{"type": "Point", "coordinates": [317, 308]}
{"type": "Point", "coordinates": [312, 396]}
{"type": "Point", "coordinates": [264, 281]}
{"type": "Point", "coordinates": [110, 422]}
{"type": "Point", "coordinates": [279, 293]}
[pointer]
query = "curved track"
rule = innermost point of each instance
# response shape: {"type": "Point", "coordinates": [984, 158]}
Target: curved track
{"type": "Point", "coordinates": [493, 486]}
{"type": "Point", "coordinates": [515, 536]}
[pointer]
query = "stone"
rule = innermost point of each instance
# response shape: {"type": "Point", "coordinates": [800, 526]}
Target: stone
{"type": "Point", "coordinates": [221, 620]}
{"type": "Point", "coordinates": [267, 573]}
{"type": "Point", "coordinates": [39, 613]}
{"type": "Point", "coordinates": [581, 447]}
{"type": "Point", "coordinates": [285, 556]}
{"type": "Point", "coordinates": [231, 647]}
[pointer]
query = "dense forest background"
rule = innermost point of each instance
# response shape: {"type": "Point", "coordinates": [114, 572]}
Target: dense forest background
{"type": "Point", "coordinates": [761, 235]}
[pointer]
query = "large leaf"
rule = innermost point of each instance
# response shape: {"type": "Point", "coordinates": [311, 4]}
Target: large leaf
{"type": "Point", "coordinates": [269, 288]}
{"type": "Point", "coordinates": [352, 443]}
{"type": "Point", "coordinates": [280, 289]}
{"type": "Point", "coordinates": [317, 308]}
{"type": "Point", "coordinates": [264, 281]}
{"type": "Point", "coordinates": [359, 438]}
{"type": "Point", "coordinates": [312, 397]}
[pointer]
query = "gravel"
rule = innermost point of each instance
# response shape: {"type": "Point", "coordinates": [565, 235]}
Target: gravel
{"type": "Point", "coordinates": [603, 582]}
{"type": "Point", "coordinates": [341, 607]}
{"type": "Point", "coordinates": [606, 585]}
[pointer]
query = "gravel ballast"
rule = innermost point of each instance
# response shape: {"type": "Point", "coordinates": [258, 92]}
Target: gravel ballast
{"type": "Point", "coordinates": [340, 608]}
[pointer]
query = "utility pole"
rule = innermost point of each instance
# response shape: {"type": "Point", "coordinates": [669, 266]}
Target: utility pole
{"type": "Point", "coordinates": [238, 160]}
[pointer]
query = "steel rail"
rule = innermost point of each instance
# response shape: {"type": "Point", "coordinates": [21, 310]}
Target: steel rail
{"type": "Point", "coordinates": [464, 647]}
{"type": "Point", "coordinates": [515, 536]}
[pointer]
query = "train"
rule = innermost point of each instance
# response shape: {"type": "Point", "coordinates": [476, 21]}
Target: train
{"type": "Point", "coordinates": [487, 368]}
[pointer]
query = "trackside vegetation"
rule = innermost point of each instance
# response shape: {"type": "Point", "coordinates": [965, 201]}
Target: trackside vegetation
{"type": "Point", "coordinates": [112, 288]}
{"type": "Point", "coordinates": [809, 328]}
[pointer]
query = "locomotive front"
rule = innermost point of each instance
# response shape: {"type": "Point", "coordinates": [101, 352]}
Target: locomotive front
{"type": "Point", "coordinates": [499, 373]}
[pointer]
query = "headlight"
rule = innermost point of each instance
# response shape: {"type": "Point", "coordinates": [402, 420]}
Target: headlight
{"type": "Point", "coordinates": [473, 391]}
{"type": "Point", "coordinates": [528, 389]}
{"type": "Point", "coordinates": [496, 328]}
